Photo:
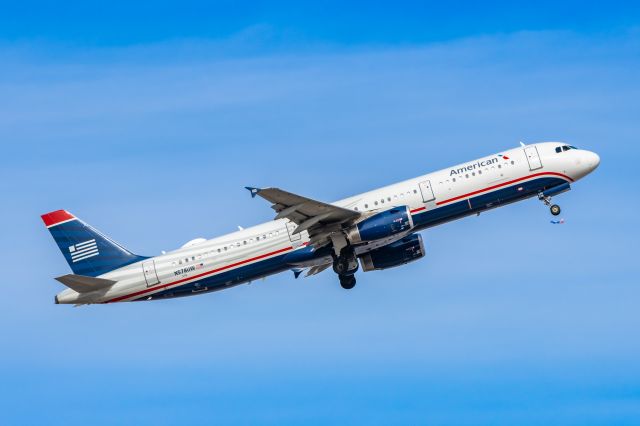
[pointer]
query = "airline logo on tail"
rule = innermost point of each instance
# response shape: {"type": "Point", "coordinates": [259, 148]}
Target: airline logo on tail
{"type": "Point", "coordinates": [83, 250]}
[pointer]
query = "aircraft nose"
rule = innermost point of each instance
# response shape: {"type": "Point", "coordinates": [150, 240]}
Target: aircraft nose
{"type": "Point", "coordinates": [593, 160]}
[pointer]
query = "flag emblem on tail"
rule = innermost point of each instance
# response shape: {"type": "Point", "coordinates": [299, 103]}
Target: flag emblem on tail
{"type": "Point", "coordinates": [83, 250]}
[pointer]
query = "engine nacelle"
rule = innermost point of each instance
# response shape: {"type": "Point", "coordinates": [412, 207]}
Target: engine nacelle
{"type": "Point", "coordinates": [401, 252]}
{"type": "Point", "coordinates": [381, 225]}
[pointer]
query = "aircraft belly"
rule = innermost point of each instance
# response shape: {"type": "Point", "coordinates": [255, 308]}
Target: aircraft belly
{"type": "Point", "coordinates": [306, 256]}
{"type": "Point", "coordinates": [483, 202]}
{"type": "Point", "coordinates": [226, 279]}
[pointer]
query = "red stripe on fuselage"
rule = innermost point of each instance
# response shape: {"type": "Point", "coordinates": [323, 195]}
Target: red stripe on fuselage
{"type": "Point", "coordinates": [459, 197]}
{"type": "Point", "coordinates": [159, 287]}
{"type": "Point", "coordinates": [242, 262]}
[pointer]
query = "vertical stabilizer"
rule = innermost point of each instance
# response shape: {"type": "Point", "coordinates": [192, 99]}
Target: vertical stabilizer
{"type": "Point", "coordinates": [87, 251]}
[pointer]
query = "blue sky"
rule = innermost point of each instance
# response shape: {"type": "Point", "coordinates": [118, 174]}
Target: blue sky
{"type": "Point", "coordinates": [147, 120]}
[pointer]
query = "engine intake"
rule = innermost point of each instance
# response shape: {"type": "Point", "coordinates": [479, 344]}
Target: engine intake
{"type": "Point", "coordinates": [401, 252]}
{"type": "Point", "coordinates": [381, 225]}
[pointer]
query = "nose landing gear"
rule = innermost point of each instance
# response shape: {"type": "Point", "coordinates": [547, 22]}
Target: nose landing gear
{"type": "Point", "coordinates": [553, 208]}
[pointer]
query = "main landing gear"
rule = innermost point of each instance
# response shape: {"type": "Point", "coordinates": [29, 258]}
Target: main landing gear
{"type": "Point", "coordinates": [346, 265]}
{"type": "Point", "coordinates": [347, 281]}
{"type": "Point", "coordinates": [553, 208]}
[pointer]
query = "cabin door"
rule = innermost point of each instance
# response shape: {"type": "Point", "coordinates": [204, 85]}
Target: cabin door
{"type": "Point", "coordinates": [291, 227]}
{"type": "Point", "coordinates": [150, 275]}
{"type": "Point", "coordinates": [427, 191]}
{"type": "Point", "coordinates": [533, 158]}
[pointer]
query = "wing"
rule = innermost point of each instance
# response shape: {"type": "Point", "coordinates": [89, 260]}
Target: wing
{"type": "Point", "coordinates": [318, 218]}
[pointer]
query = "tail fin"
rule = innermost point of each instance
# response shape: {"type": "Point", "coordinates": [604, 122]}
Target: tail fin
{"type": "Point", "coordinates": [87, 251]}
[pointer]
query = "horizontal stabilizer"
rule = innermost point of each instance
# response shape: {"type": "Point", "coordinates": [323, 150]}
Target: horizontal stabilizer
{"type": "Point", "coordinates": [83, 284]}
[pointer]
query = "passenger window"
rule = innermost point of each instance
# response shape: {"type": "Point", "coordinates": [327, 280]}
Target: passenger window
{"type": "Point", "coordinates": [454, 179]}
{"type": "Point", "coordinates": [366, 206]}
{"type": "Point", "coordinates": [356, 209]}
{"type": "Point", "coordinates": [479, 172]}
{"type": "Point", "coordinates": [376, 203]}
{"type": "Point", "coordinates": [389, 199]}
{"type": "Point", "coordinates": [415, 191]}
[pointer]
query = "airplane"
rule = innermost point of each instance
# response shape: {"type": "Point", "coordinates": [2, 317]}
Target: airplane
{"type": "Point", "coordinates": [375, 230]}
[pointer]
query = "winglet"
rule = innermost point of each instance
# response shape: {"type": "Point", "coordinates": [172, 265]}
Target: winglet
{"type": "Point", "coordinates": [253, 191]}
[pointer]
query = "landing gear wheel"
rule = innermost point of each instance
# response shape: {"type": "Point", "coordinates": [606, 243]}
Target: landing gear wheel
{"type": "Point", "coordinates": [347, 281]}
{"type": "Point", "coordinates": [555, 209]}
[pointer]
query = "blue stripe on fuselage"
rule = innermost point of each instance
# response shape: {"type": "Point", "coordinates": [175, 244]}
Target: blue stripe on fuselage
{"type": "Point", "coordinates": [483, 202]}
{"type": "Point", "coordinates": [422, 220]}
{"type": "Point", "coordinates": [225, 279]}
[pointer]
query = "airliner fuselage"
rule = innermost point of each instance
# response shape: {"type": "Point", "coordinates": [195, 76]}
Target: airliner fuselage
{"type": "Point", "coordinates": [374, 230]}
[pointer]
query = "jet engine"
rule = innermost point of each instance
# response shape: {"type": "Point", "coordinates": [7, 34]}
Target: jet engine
{"type": "Point", "coordinates": [398, 253]}
{"type": "Point", "coordinates": [381, 225]}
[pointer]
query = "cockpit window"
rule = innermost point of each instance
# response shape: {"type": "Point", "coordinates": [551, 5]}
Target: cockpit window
{"type": "Point", "coordinates": [565, 148]}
